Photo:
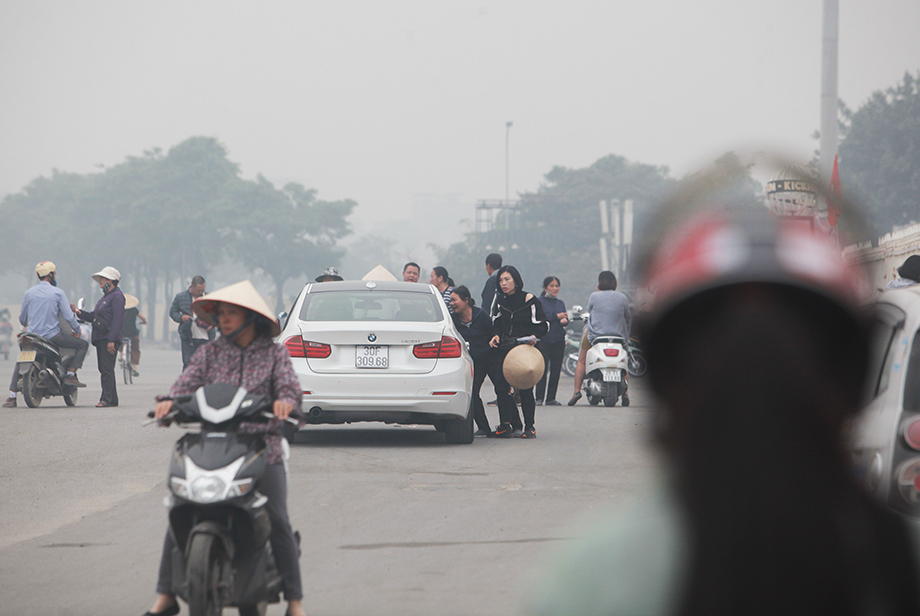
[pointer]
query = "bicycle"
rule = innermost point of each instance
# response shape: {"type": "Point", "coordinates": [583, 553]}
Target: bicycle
{"type": "Point", "coordinates": [124, 358]}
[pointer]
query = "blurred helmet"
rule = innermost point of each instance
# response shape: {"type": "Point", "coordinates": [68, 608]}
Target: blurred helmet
{"type": "Point", "coordinates": [242, 294]}
{"type": "Point", "coordinates": [713, 251]}
{"type": "Point", "coordinates": [44, 268]}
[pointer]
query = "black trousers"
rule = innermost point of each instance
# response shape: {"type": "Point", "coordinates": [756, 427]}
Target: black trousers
{"type": "Point", "coordinates": [189, 346]}
{"type": "Point", "coordinates": [507, 409]}
{"type": "Point", "coordinates": [106, 363]}
{"type": "Point", "coordinates": [272, 484]}
{"type": "Point", "coordinates": [481, 369]}
{"type": "Point", "coordinates": [553, 354]}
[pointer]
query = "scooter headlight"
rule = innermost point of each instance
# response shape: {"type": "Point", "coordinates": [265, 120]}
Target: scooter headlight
{"type": "Point", "coordinates": [207, 489]}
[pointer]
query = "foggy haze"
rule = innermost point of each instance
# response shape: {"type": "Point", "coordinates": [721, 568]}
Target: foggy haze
{"type": "Point", "coordinates": [401, 105]}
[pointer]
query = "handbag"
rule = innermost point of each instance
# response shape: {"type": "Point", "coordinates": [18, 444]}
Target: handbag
{"type": "Point", "coordinates": [100, 325]}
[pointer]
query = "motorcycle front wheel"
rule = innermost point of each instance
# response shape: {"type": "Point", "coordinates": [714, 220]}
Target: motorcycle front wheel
{"type": "Point", "coordinates": [568, 366]}
{"type": "Point", "coordinates": [637, 365]}
{"type": "Point", "coordinates": [30, 387]}
{"type": "Point", "coordinates": [204, 568]}
{"type": "Point", "coordinates": [70, 398]}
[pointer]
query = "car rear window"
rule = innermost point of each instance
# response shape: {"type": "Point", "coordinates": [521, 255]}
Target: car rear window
{"type": "Point", "coordinates": [371, 306]}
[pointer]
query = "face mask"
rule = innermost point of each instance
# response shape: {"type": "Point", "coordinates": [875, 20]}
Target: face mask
{"type": "Point", "coordinates": [107, 287]}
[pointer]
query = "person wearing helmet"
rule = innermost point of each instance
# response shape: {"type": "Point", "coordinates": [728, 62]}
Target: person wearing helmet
{"type": "Point", "coordinates": [757, 351]}
{"type": "Point", "coordinates": [42, 307]}
{"type": "Point", "coordinates": [244, 355]}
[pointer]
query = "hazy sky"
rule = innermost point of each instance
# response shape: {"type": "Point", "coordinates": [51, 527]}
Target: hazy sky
{"type": "Point", "coordinates": [394, 102]}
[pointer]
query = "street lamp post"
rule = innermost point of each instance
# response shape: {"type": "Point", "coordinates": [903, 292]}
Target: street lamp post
{"type": "Point", "coordinates": [507, 142]}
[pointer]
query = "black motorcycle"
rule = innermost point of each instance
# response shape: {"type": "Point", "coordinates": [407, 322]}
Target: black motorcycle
{"type": "Point", "coordinates": [41, 370]}
{"type": "Point", "coordinates": [218, 519]}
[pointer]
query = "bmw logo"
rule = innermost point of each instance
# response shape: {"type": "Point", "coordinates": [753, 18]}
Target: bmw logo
{"type": "Point", "coordinates": [372, 337]}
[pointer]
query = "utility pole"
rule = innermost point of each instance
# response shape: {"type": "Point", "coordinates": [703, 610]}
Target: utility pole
{"type": "Point", "coordinates": [507, 150]}
{"type": "Point", "coordinates": [829, 89]}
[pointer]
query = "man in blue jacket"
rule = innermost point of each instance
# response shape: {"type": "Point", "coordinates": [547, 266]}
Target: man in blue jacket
{"type": "Point", "coordinates": [42, 305]}
{"type": "Point", "coordinates": [493, 264]}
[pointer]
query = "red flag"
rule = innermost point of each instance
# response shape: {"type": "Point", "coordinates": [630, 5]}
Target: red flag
{"type": "Point", "coordinates": [835, 197]}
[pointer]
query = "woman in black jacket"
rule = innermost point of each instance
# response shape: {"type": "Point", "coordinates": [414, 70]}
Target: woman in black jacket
{"type": "Point", "coordinates": [517, 318]}
{"type": "Point", "coordinates": [476, 328]}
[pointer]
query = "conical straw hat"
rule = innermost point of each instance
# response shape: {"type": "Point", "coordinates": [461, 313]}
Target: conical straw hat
{"type": "Point", "coordinates": [241, 294]}
{"type": "Point", "coordinates": [523, 366]}
{"type": "Point", "coordinates": [131, 301]}
{"type": "Point", "coordinates": [379, 273]}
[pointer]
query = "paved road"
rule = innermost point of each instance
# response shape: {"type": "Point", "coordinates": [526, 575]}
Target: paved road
{"type": "Point", "coordinates": [394, 521]}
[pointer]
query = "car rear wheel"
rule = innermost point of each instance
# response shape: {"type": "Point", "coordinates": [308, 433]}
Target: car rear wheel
{"type": "Point", "coordinates": [460, 431]}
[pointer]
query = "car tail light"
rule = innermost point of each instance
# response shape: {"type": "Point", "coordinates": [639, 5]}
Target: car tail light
{"type": "Point", "coordinates": [909, 481]}
{"type": "Point", "coordinates": [294, 346]}
{"type": "Point", "coordinates": [611, 352]}
{"type": "Point", "coordinates": [912, 433]}
{"type": "Point", "coordinates": [447, 347]}
{"type": "Point", "coordinates": [316, 350]}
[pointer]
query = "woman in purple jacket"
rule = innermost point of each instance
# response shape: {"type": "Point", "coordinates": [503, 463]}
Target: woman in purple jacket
{"type": "Point", "coordinates": [552, 345]}
{"type": "Point", "coordinates": [106, 317]}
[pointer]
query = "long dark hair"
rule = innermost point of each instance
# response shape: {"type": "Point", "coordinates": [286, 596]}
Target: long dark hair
{"type": "Point", "coordinates": [441, 272]}
{"type": "Point", "coordinates": [778, 523]}
{"type": "Point", "coordinates": [546, 283]}
{"type": "Point", "coordinates": [515, 275]}
{"type": "Point", "coordinates": [464, 294]}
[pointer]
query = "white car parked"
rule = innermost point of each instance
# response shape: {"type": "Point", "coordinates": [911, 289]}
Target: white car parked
{"type": "Point", "coordinates": [380, 351]}
{"type": "Point", "coordinates": [886, 435]}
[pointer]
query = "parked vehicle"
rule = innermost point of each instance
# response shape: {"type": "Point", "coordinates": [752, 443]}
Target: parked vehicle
{"type": "Point", "coordinates": [41, 371]}
{"type": "Point", "coordinates": [380, 351]}
{"type": "Point", "coordinates": [219, 520]}
{"type": "Point", "coordinates": [886, 435]}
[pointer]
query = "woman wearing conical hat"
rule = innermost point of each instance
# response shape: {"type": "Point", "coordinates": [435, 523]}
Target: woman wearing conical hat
{"type": "Point", "coordinates": [245, 355]}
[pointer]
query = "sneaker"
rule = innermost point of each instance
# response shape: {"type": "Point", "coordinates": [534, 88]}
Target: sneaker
{"type": "Point", "coordinates": [503, 431]}
{"type": "Point", "coordinates": [482, 432]}
{"type": "Point", "coordinates": [10, 403]}
{"type": "Point", "coordinates": [517, 433]}
{"type": "Point", "coordinates": [553, 403]}
{"type": "Point", "coordinates": [624, 399]}
{"type": "Point", "coordinates": [529, 432]}
{"type": "Point", "coordinates": [135, 372]}
{"type": "Point", "coordinates": [73, 381]}
{"type": "Point", "coordinates": [575, 398]}
{"type": "Point", "coordinates": [538, 402]}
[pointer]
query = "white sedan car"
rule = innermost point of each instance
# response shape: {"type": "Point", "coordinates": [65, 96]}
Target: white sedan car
{"type": "Point", "coordinates": [886, 435]}
{"type": "Point", "coordinates": [380, 351]}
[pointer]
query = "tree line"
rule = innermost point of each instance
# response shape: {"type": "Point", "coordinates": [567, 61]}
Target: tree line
{"type": "Point", "coordinates": [162, 218]}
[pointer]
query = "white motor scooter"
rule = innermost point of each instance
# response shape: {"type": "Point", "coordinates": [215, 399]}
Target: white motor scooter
{"type": "Point", "coordinates": [606, 364]}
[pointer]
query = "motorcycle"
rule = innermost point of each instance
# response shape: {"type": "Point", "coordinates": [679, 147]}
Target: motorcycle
{"type": "Point", "coordinates": [636, 364]}
{"type": "Point", "coordinates": [605, 371]}
{"type": "Point", "coordinates": [218, 519]}
{"type": "Point", "coordinates": [41, 370]}
{"type": "Point", "coordinates": [6, 333]}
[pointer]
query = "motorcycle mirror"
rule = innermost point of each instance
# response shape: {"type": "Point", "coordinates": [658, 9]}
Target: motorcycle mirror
{"type": "Point", "coordinates": [282, 315]}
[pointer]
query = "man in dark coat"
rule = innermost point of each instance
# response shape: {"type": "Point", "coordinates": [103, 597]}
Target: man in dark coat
{"type": "Point", "coordinates": [192, 333]}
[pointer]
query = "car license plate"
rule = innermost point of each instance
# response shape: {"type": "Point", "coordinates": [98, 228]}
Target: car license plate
{"type": "Point", "coordinates": [26, 356]}
{"type": "Point", "coordinates": [612, 376]}
{"type": "Point", "coordinates": [372, 357]}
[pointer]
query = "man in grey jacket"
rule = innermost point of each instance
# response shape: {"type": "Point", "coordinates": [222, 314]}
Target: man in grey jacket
{"type": "Point", "coordinates": [192, 332]}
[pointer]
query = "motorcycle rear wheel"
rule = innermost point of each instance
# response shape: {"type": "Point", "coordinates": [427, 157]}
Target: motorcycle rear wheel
{"type": "Point", "coordinates": [204, 568]}
{"type": "Point", "coordinates": [612, 396]}
{"type": "Point", "coordinates": [30, 388]}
